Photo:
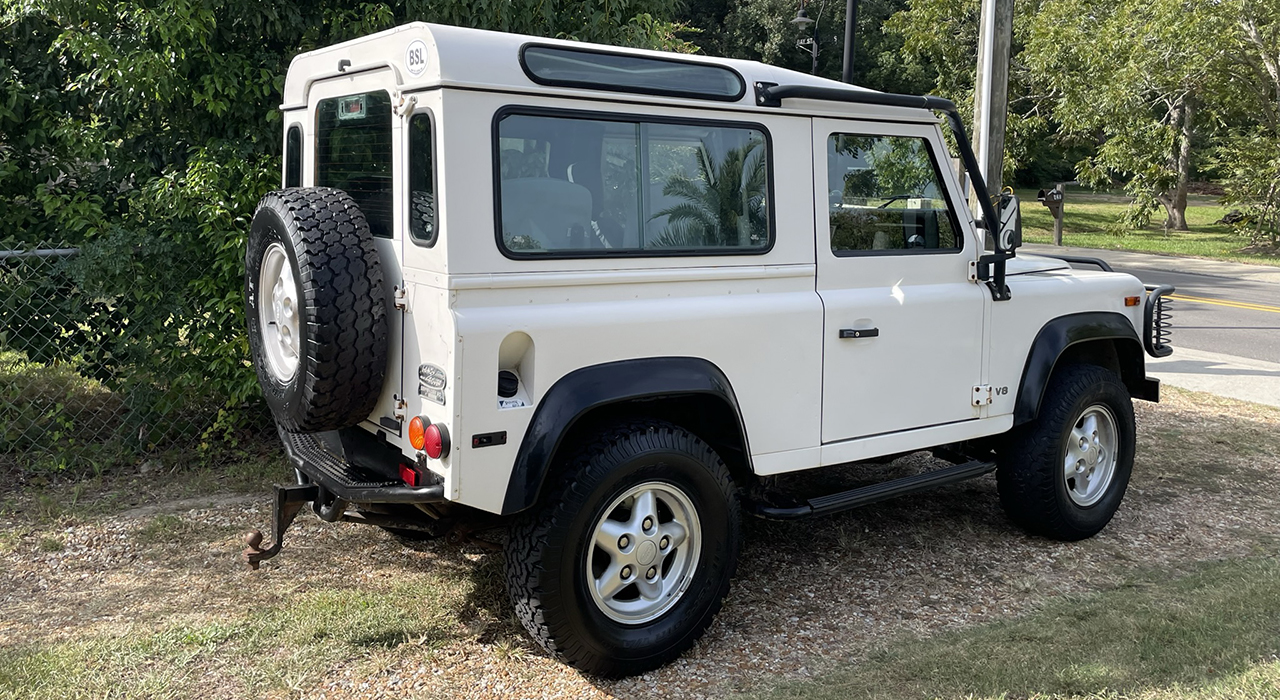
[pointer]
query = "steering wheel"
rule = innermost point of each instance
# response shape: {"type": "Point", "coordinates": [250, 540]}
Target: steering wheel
{"type": "Point", "coordinates": [898, 197]}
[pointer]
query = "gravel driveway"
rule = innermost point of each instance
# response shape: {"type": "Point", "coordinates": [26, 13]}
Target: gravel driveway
{"type": "Point", "coordinates": [157, 600]}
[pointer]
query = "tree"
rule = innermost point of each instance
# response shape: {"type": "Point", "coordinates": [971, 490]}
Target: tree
{"type": "Point", "coordinates": [125, 123]}
{"type": "Point", "coordinates": [761, 30]}
{"type": "Point", "coordinates": [1132, 76]}
{"type": "Point", "coordinates": [1247, 104]}
{"type": "Point", "coordinates": [939, 38]}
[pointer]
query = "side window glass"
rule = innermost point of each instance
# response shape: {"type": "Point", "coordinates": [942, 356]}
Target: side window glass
{"type": "Point", "coordinates": [353, 153]}
{"type": "Point", "coordinates": [885, 195]}
{"type": "Point", "coordinates": [574, 185]}
{"type": "Point", "coordinates": [293, 157]}
{"type": "Point", "coordinates": [422, 176]}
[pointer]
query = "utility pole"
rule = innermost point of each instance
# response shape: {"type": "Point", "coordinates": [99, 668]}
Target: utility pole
{"type": "Point", "coordinates": [850, 27]}
{"type": "Point", "coordinates": [991, 96]}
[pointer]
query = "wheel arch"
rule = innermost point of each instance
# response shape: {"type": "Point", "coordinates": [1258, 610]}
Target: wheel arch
{"type": "Point", "coordinates": [1104, 338]}
{"type": "Point", "coordinates": [689, 391]}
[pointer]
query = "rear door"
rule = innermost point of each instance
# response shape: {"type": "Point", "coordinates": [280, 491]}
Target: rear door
{"type": "Point", "coordinates": [357, 135]}
{"type": "Point", "coordinates": [903, 323]}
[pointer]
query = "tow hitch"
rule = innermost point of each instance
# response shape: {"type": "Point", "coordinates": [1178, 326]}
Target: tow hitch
{"type": "Point", "coordinates": [289, 501]}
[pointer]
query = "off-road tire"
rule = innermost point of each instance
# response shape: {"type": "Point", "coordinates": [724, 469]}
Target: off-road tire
{"type": "Point", "coordinates": [547, 548]}
{"type": "Point", "coordinates": [1030, 477]}
{"type": "Point", "coordinates": [342, 308]}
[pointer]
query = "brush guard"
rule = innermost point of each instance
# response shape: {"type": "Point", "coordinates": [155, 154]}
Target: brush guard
{"type": "Point", "coordinates": [1157, 321]}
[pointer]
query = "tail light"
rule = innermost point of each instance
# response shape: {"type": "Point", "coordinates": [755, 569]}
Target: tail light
{"type": "Point", "coordinates": [417, 432]}
{"type": "Point", "coordinates": [436, 441]}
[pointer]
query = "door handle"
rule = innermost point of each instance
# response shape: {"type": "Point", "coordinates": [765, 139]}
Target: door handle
{"type": "Point", "coordinates": [859, 332]}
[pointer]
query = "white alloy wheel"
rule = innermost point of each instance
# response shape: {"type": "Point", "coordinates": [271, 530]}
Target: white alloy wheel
{"type": "Point", "coordinates": [644, 552]}
{"type": "Point", "coordinates": [1090, 460]}
{"type": "Point", "coordinates": [278, 313]}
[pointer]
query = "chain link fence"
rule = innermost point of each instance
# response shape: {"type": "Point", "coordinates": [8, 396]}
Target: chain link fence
{"type": "Point", "coordinates": [98, 364]}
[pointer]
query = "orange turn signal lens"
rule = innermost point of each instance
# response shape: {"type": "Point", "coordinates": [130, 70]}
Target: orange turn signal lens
{"type": "Point", "coordinates": [1132, 301]}
{"type": "Point", "coordinates": [418, 432]}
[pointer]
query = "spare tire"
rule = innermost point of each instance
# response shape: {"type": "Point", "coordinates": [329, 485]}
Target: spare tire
{"type": "Point", "coordinates": [316, 309]}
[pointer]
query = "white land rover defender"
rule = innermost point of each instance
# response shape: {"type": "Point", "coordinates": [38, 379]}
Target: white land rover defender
{"type": "Point", "coordinates": [596, 295]}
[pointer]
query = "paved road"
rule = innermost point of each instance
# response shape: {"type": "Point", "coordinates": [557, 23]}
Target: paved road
{"type": "Point", "coordinates": [1222, 315]}
{"type": "Point", "coordinates": [1226, 322]}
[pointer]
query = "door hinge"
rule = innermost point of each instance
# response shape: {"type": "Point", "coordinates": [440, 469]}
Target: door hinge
{"type": "Point", "coordinates": [982, 395]}
{"type": "Point", "coordinates": [973, 270]}
{"type": "Point", "coordinates": [400, 409]}
{"type": "Point", "coordinates": [399, 299]}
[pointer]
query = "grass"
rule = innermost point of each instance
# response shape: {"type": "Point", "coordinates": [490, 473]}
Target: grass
{"type": "Point", "coordinates": [1212, 634]}
{"type": "Point", "coordinates": [271, 648]}
{"type": "Point", "coordinates": [259, 650]}
{"type": "Point", "coordinates": [168, 614]}
{"type": "Point", "coordinates": [1091, 221]}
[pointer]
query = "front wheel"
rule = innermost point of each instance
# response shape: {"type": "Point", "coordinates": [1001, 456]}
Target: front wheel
{"type": "Point", "coordinates": [628, 559]}
{"type": "Point", "coordinates": [1064, 474]}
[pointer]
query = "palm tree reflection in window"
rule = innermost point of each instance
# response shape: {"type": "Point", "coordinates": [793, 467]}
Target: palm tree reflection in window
{"type": "Point", "coordinates": [725, 206]}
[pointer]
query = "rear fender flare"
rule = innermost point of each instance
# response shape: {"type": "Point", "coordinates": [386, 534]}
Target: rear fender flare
{"type": "Point", "coordinates": [585, 390]}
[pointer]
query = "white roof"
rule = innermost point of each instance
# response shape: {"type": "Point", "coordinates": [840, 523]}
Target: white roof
{"type": "Point", "coordinates": [474, 58]}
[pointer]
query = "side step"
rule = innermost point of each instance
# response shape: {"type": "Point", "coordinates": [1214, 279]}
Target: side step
{"type": "Point", "coordinates": [883, 491]}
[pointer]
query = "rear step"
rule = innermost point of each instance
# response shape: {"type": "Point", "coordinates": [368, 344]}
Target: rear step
{"type": "Point", "coordinates": [866, 495]}
{"type": "Point", "coordinates": [348, 481]}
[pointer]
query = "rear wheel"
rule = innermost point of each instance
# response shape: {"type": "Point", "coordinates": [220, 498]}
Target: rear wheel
{"type": "Point", "coordinates": [1064, 474]}
{"type": "Point", "coordinates": [626, 562]}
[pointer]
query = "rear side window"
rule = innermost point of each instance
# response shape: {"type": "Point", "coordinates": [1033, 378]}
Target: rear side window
{"type": "Point", "coordinates": [353, 153]}
{"type": "Point", "coordinates": [293, 157]}
{"type": "Point", "coordinates": [885, 197]}
{"type": "Point", "coordinates": [573, 186]}
{"type": "Point", "coordinates": [422, 181]}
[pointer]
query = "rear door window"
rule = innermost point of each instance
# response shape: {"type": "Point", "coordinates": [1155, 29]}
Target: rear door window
{"type": "Point", "coordinates": [353, 153]}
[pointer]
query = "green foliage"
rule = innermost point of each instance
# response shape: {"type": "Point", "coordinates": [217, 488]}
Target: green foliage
{"type": "Point", "coordinates": [762, 30]}
{"type": "Point", "coordinates": [940, 39]}
{"type": "Point", "coordinates": [1247, 100]}
{"type": "Point", "coordinates": [1136, 72]}
{"type": "Point", "coordinates": [145, 132]}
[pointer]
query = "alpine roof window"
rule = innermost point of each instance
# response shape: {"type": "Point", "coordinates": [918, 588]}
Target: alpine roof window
{"type": "Point", "coordinates": [600, 70]}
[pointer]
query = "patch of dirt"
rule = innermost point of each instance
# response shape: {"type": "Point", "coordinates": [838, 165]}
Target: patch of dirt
{"type": "Point", "coordinates": [807, 596]}
{"type": "Point", "coordinates": [1270, 249]}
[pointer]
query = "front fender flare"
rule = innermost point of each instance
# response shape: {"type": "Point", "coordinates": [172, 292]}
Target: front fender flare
{"type": "Point", "coordinates": [1060, 334]}
{"type": "Point", "coordinates": [578, 393]}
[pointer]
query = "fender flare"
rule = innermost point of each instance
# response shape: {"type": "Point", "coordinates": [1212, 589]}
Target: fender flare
{"type": "Point", "coordinates": [586, 389]}
{"type": "Point", "coordinates": [1060, 334]}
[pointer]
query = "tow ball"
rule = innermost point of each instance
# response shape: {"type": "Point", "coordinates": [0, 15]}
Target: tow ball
{"type": "Point", "coordinates": [289, 502]}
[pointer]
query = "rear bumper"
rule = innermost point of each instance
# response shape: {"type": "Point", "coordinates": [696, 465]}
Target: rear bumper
{"type": "Point", "coordinates": [326, 467]}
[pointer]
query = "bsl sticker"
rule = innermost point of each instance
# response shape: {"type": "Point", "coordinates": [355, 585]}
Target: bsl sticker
{"type": "Point", "coordinates": [415, 57]}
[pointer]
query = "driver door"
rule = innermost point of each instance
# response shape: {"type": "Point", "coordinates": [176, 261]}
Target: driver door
{"type": "Point", "coordinates": [903, 322]}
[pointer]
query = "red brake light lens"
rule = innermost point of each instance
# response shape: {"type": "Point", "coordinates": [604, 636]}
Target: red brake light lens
{"type": "Point", "coordinates": [417, 432]}
{"type": "Point", "coordinates": [436, 439]}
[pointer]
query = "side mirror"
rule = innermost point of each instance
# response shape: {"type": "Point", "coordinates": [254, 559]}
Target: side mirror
{"type": "Point", "coordinates": [1010, 233]}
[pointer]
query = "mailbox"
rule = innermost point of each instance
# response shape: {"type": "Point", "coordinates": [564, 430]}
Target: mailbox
{"type": "Point", "coordinates": [1052, 199]}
